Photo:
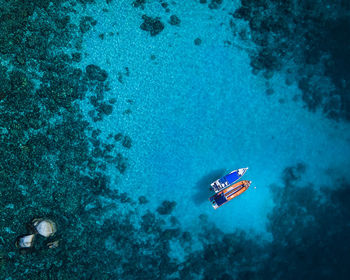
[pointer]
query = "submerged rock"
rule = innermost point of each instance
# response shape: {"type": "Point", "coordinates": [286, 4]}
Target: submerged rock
{"type": "Point", "coordinates": [53, 244]}
{"type": "Point", "coordinates": [25, 241]}
{"type": "Point", "coordinates": [44, 227]}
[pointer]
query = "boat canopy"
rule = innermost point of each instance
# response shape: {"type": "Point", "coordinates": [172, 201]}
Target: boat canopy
{"type": "Point", "coordinates": [230, 178]}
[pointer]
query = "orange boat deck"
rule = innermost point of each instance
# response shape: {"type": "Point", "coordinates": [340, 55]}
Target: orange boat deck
{"type": "Point", "coordinates": [229, 193]}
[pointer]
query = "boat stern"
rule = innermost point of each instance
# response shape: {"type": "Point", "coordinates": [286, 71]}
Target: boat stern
{"type": "Point", "coordinates": [213, 203]}
{"type": "Point", "coordinates": [217, 200]}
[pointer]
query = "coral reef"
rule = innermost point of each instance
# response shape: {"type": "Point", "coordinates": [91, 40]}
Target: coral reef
{"type": "Point", "coordinates": [53, 165]}
{"type": "Point", "coordinates": [166, 208]}
{"type": "Point", "coordinates": [174, 20]}
{"type": "Point", "coordinates": [306, 41]}
{"type": "Point", "coordinates": [153, 25]}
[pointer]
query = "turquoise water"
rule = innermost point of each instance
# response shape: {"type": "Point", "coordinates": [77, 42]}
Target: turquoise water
{"type": "Point", "coordinates": [199, 112]}
{"type": "Point", "coordinates": [227, 86]}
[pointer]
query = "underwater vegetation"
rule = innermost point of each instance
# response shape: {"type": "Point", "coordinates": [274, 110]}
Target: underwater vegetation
{"type": "Point", "coordinates": [53, 165]}
{"type": "Point", "coordinates": [308, 42]}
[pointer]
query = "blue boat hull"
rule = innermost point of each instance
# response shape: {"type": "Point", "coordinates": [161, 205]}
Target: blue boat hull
{"type": "Point", "coordinates": [228, 179]}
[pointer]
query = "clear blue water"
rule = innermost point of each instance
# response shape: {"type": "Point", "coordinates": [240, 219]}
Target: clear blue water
{"type": "Point", "coordinates": [199, 112]}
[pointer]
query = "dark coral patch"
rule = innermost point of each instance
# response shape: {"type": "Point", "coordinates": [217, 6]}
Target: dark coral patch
{"type": "Point", "coordinates": [118, 136]}
{"type": "Point", "coordinates": [139, 3]}
{"type": "Point", "coordinates": [76, 57]}
{"type": "Point", "coordinates": [105, 108]}
{"type": "Point", "coordinates": [127, 142]}
{"type": "Point", "coordinates": [174, 20]}
{"type": "Point", "coordinates": [86, 23]}
{"type": "Point", "coordinates": [143, 199]}
{"type": "Point", "coordinates": [313, 37]}
{"type": "Point", "coordinates": [166, 208]}
{"type": "Point", "coordinates": [152, 25]}
{"type": "Point", "coordinates": [197, 41]}
{"type": "Point", "coordinates": [215, 4]}
{"type": "Point", "coordinates": [94, 72]}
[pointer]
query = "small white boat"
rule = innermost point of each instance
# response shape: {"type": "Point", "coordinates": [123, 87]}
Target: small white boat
{"type": "Point", "coordinates": [228, 179]}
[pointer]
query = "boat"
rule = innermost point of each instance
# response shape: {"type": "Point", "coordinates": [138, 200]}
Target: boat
{"type": "Point", "coordinates": [229, 193]}
{"type": "Point", "coordinates": [228, 179]}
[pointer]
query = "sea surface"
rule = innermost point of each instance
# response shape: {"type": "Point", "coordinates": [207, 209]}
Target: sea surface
{"type": "Point", "coordinates": [115, 117]}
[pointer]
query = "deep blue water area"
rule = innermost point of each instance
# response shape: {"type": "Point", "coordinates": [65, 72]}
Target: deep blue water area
{"type": "Point", "coordinates": [115, 117]}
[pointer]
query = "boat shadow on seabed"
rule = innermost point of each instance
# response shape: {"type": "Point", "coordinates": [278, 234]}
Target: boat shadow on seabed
{"type": "Point", "coordinates": [202, 187]}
